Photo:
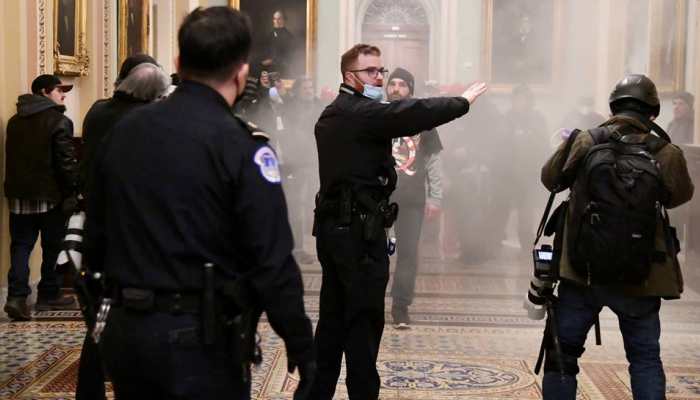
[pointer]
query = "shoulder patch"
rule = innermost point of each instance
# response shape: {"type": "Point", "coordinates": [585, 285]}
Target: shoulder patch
{"type": "Point", "coordinates": [267, 162]}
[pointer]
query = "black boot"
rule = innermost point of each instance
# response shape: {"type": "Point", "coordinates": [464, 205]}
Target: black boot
{"type": "Point", "coordinates": [17, 309]}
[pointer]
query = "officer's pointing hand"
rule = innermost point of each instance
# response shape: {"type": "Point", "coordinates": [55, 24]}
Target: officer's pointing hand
{"type": "Point", "coordinates": [475, 90]}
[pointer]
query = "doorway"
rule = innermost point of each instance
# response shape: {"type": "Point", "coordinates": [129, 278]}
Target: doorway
{"type": "Point", "coordinates": [401, 30]}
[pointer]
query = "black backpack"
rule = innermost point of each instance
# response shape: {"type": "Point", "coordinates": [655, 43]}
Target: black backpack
{"type": "Point", "coordinates": [618, 200]}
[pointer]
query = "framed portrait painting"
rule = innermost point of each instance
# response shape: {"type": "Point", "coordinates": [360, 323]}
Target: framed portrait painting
{"type": "Point", "coordinates": [655, 41]}
{"type": "Point", "coordinates": [284, 35]}
{"type": "Point", "coordinates": [521, 42]}
{"type": "Point", "coordinates": [70, 42]}
{"type": "Point", "coordinates": [133, 27]}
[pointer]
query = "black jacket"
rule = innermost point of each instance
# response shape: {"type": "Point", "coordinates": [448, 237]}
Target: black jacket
{"type": "Point", "coordinates": [180, 183]}
{"type": "Point", "coordinates": [353, 136]}
{"type": "Point", "coordinates": [99, 120]}
{"type": "Point", "coordinates": [41, 163]}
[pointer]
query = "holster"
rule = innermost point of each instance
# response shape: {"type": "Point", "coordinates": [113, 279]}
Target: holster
{"type": "Point", "coordinates": [88, 290]}
{"type": "Point", "coordinates": [243, 322]}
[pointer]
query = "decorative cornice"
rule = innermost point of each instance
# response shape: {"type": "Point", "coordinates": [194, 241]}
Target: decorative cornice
{"type": "Point", "coordinates": [106, 48]}
{"type": "Point", "coordinates": [42, 36]}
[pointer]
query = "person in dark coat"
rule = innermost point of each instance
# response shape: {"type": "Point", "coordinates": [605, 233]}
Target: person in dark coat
{"type": "Point", "coordinates": [41, 188]}
{"type": "Point", "coordinates": [188, 223]}
{"type": "Point", "coordinates": [356, 168]}
{"type": "Point", "coordinates": [102, 116]}
{"type": "Point", "coordinates": [144, 83]}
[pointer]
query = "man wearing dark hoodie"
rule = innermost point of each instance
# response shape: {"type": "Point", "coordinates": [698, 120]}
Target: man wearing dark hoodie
{"type": "Point", "coordinates": [41, 185]}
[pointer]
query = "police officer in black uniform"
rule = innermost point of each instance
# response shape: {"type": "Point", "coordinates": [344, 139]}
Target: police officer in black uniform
{"type": "Point", "coordinates": [178, 185]}
{"type": "Point", "coordinates": [356, 168]}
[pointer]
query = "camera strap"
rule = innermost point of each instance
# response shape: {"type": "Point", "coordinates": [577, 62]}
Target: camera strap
{"type": "Point", "coordinates": [552, 194]}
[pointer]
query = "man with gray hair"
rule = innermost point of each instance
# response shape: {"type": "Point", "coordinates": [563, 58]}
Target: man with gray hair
{"type": "Point", "coordinates": [141, 81]}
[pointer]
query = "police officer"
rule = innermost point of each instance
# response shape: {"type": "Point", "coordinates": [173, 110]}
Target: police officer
{"type": "Point", "coordinates": [177, 185]}
{"type": "Point", "coordinates": [635, 104]}
{"type": "Point", "coordinates": [357, 175]}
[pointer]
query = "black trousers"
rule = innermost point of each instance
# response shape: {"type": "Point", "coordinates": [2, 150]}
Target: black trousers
{"type": "Point", "coordinates": [24, 232]}
{"type": "Point", "coordinates": [351, 320]}
{"type": "Point", "coordinates": [160, 356]}
{"type": "Point", "coordinates": [408, 229]}
{"type": "Point", "coordinates": [91, 377]}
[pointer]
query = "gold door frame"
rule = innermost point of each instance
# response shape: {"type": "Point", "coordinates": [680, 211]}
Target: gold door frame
{"type": "Point", "coordinates": [72, 64]}
{"type": "Point", "coordinates": [122, 29]}
{"type": "Point", "coordinates": [487, 49]}
{"type": "Point", "coordinates": [311, 33]}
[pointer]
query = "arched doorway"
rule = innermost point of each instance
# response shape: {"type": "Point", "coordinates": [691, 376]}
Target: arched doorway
{"type": "Point", "coordinates": [401, 29]}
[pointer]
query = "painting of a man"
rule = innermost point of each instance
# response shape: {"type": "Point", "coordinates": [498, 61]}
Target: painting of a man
{"type": "Point", "coordinates": [279, 32]}
{"type": "Point", "coordinates": [66, 27]}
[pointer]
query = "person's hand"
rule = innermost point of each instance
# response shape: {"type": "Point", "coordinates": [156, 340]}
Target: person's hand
{"type": "Point", "coordinates": [432, 211]}
{"type": "Point", "coordinates": [307, 374]}
{"type": "Point", "coordinates": [474, 90]}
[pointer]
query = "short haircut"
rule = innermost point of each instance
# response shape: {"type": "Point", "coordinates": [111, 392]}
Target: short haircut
{"type": "Point", "coordinates": [350, 57]}
{"type": "Point", "coordinates": [284, 16]}
{"type": "Point", "coordinates": [146, 82]}
{"type": "Point", "coordinates": [214, 42]}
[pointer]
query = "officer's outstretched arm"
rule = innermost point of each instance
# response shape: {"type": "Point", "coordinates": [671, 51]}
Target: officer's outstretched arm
{"type": "Point", "coordinates": [411, 116]}
{"type": "Point", "coordinates": [261, 214]}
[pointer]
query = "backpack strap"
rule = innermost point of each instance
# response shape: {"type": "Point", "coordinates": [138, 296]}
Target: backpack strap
{"type": "Point", "coordinates": [601, 134]}
{"type": "Point", "coordinates": [654, 143]}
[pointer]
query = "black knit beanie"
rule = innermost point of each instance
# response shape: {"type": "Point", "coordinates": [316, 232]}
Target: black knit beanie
{"type": "Point", "coordinates": [405, 76]}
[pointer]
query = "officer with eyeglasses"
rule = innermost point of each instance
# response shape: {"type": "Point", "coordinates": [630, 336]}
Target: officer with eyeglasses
{"type": "Point", "coordinates": [357, 175]}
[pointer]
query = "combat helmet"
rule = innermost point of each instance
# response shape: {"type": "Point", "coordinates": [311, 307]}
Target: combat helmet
{"type": "Point", "coordinates": [637, 87]}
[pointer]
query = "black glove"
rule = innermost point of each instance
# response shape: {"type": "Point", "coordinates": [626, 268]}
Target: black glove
{"type": "Point", "coordinates": [307, 374]}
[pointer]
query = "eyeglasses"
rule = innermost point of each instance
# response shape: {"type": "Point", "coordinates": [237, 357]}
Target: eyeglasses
{"type": "Point", "coordinates": [373, 72]}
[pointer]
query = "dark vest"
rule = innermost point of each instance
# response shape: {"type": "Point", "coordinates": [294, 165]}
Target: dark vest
{"type": "Point", "coordinates": [30, 172]}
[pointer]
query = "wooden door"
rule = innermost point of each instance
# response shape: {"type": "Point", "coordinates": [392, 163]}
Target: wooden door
{"type": "Point", "coordinates": [408, 50]}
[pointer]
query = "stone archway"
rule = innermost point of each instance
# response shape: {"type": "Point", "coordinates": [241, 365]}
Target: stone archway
{"type": "Point", "coordinates": [402, 29]}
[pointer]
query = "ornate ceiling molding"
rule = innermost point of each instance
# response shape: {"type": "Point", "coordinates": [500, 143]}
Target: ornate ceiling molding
{"type": "Point", "coordinates": [396, 12]}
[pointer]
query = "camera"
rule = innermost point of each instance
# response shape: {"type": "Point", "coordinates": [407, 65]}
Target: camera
{"type": "Point", "coordinates": [543, 263]}
{"type": "Point", "coordinates": [542, 283]}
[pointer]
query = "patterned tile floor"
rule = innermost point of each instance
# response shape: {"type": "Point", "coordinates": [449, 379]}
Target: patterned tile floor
{"type": "Point", "coordinates": [470, 340]}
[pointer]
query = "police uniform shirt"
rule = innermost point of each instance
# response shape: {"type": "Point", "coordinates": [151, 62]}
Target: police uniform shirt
{"type": "Point", "coordinates": [182, 182]}
{"type": "Point", "coordinates": [353, 134]}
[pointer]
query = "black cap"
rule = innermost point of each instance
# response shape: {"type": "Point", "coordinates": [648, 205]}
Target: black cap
{"type": "Point", "coordinates": [133, 61]}
{"type": "Point", "coordinates": [48, 82]}
{"type": "Point", "coordinates": [637, 87]}
{"type": "Point", "coordinates": [406, 76]}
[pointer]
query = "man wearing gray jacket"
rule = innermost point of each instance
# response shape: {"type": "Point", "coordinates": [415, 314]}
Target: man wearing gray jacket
{"type": "Point", "coordinates": [418, 193]}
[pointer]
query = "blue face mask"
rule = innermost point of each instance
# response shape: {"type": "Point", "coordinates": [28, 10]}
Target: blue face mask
{"type": "Point", "coordinates": [373, 92]}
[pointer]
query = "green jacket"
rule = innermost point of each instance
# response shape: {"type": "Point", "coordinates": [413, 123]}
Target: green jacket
{"type": "Point", "coordinates": [665, 279]}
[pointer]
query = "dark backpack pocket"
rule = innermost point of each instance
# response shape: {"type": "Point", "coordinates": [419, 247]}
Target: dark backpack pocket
{"type": "Point", "coordinates": [614, 247]}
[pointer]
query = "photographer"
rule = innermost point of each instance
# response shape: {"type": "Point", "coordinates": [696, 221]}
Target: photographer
{"type": "Point", "coordinates": [622, 254]}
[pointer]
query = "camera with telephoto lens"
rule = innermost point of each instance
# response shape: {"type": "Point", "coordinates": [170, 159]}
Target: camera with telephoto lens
{"type": "Point", "coordinates": [542, 283]}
